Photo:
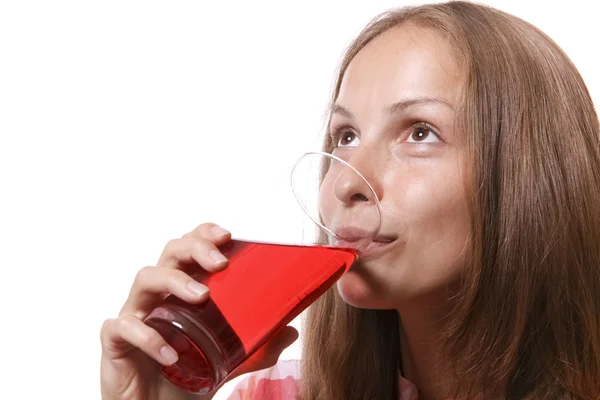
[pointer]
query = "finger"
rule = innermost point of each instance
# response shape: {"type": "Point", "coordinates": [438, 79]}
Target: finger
{"type": "Point", "coordinates": [121, 335]}
{"type": "Point", "coordinates": [152, 285]}
{"type": "Point", "coordinates": [180, 252]}
{"type": "Point", "coordinates": [211, 232]}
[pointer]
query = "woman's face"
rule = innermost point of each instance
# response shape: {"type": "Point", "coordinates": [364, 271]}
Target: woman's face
{"type": "Point", "coordinates": [393, 121]}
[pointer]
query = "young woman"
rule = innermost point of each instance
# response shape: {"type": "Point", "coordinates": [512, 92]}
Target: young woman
{"type": "Point", "coordinates": [482, 143]}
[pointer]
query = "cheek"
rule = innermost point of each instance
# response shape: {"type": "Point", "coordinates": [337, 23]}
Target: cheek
{"type": "Point", "coordinates": [432, 201]}
{"type": "Point", "coordinates": [443, 208]}
{"type": "Point", "coordinates": [438, 229]}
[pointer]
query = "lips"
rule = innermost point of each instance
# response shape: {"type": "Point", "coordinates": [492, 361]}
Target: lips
{"type": "Point", "coordinates": [352, 236]}
{"type": "Point", "coordinates": [374, 248]}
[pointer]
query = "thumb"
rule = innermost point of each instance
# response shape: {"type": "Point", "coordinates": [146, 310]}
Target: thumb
{"type": "Point", "coordinates": [268, 354]}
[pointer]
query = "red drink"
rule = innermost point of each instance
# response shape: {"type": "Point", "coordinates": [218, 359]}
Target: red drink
{"type": "Point", "coordinates": [263, 289]}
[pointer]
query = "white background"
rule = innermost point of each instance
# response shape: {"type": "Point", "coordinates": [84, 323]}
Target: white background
{"type": "Point", "coordinates": [126, 123]}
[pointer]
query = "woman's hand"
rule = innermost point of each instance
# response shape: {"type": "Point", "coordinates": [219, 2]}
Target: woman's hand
{"type": "Point", "coordinates": [126, 371]}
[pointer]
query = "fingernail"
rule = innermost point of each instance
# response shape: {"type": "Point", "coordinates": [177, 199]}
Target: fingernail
{"type": "Point", "coordinates": [217, 257]}
{"type": "Point", "coordinates": [169, 355]}
{"type": "Point", "coordinates": [219, 232]}
{"type": "Point", "coordinates": [197, 289]}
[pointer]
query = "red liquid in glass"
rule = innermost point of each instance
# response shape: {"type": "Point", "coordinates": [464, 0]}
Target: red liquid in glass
{"type": "Point", "coordinates": [265, 287]}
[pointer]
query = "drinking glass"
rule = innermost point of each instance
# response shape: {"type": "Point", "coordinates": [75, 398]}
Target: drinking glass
{"type": "Point", "coordinates": [267, 284]}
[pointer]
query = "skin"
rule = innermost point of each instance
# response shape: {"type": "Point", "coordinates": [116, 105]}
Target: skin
{"type": "Point", "coordinates": [127, 343]}
{"type": "Point", "coordinates": [414, 160]}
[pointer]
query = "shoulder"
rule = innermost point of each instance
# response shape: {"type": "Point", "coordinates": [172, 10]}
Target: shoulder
{"type": "Point", "coordinates": [280, 382]}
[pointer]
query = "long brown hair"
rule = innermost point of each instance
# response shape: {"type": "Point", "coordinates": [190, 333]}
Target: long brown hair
{"type": "Point", "coordinates": [526, 324]}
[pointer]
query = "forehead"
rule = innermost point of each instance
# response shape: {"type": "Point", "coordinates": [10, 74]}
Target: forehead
{"type": "Point", "coordinates": [405, 61]}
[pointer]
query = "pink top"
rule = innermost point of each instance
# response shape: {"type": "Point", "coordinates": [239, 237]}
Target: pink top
{"type": "Point", "coordinates": [281, 382]}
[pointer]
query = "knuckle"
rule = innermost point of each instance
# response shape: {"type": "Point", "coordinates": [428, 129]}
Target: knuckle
{"type": "Point", "coordinates": [148, 339]}
{"type": "Point", "coordinates": [199, 246]}
{"type": "Point", "coordinates": [106, 328]}
{"type": "Point", "coordinates": [144, 274]}
{"type": "Point", "coordinates": [206, 226]}
{"type": "Point", "coordinates": [201, 230]}
{"type": "Point", "coordinates": [171, 246]}
{"type": "Point", "coordinates": [175, 277]}
{"type": "Point", "coordinates": [126, 322]}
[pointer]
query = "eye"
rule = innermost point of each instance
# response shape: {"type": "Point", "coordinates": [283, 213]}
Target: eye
{"type": "Point", "coordinates": [345, 139]}
{"type": "Point", "coordinates": [423, 133]}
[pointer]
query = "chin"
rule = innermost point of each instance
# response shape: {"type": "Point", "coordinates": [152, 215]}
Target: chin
{"type": "Point", "coordinates": [356, 290]}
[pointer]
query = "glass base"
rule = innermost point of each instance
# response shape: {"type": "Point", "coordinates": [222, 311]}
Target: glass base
{"type": "Point", "coordinates": [200, 368]}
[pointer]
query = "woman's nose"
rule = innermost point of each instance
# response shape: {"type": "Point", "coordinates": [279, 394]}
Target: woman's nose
{"type": "Point", "coordinates": [360, 185]}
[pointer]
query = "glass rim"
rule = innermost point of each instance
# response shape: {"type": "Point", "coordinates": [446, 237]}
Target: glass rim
{"type": "Point", "coordinates": [308, 213]}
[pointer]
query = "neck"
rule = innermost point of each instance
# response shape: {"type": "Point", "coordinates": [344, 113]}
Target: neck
{"type": "Point", "coordinates": [420, 344]}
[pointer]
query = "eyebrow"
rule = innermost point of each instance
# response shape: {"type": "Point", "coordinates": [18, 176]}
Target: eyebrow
{"type": "Point", "coordinates": [396, 107]}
